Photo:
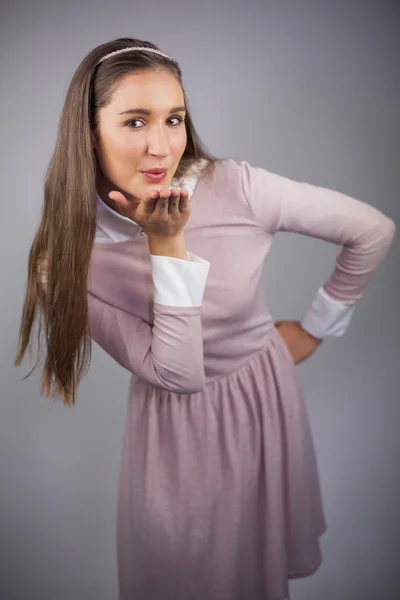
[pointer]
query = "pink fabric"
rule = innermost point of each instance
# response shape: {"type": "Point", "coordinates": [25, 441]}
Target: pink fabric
{"type": "Point", "coordinates": [219, 497]}
{"type": "Point", "coordinates": [280, 204]}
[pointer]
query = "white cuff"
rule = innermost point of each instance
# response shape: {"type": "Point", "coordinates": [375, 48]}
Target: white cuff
{"type": "Point", "coordinates": [327, 316]}
{"type": "Point", "coordinates": [179, 282]}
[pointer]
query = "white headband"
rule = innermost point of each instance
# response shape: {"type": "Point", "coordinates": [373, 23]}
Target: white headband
{"type": "Point", "coordinates": [142, 49]}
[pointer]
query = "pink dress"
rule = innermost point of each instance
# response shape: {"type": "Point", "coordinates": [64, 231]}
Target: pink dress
{"type": "Point", "coordinates": [219, 496]}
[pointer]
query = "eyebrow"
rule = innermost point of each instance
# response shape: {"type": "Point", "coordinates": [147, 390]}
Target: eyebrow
{"type": "Point", "coordinates": [144, 111]}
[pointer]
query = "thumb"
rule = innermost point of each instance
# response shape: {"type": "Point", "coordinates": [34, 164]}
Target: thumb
{"type": "Point", "coordinates": [125, 206]}
{"type": "Point", "coordinates": [122, 202]}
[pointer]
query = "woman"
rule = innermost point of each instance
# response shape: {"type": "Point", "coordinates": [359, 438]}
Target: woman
{"type": "Point", "coordinates": [155, 249]}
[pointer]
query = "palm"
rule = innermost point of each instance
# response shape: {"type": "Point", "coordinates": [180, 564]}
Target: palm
{"type": "Point", "coordinates": [163, 213]}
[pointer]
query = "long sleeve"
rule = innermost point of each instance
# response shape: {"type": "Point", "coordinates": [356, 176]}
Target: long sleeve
{"type": "Point", "coordinates": [169, 353]}
{"type": "Point", "coordinates": [365, 234]}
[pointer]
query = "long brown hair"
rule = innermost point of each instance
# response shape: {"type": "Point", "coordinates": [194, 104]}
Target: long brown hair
{"type": "Point", "coordinates": [59, 259]}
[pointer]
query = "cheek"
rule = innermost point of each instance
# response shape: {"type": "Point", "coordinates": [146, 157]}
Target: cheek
{"type": "Point", "coordinates": [124, 141]}
{"type": "Point", "coordinates": [179, 143]}
{"type": "Point", "coordinates": [119, 148]}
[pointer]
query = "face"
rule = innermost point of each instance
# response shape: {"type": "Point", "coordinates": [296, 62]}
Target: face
{"type": "Point", "coordinates": [142, 128]}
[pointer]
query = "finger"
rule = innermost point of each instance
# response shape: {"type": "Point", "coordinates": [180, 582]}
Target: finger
{"type": "Point", "coordinates": [122, 205]}
{"type": "Point", "coordinates": [119, 200]}
{"type": "Point", "coordinates": [117, 196]}
{"type": "Point", "coordinates": [184, 204]}
{"type": "Point", "coordinates": [165, 193]}
{"type": "Point", "coordinates": [174, 200]}
{"type": "Point", "coordinates": [150, 203]}
{"type": "Point", "coordinates": [161, 207]}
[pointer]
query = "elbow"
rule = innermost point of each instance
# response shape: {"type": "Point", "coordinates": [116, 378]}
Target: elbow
{"type": "Point", "coordinates": [190, 381]}
{"type": "Point", "coordinates": [380, 236]}
{"type": "Point", "coordinates": [391, 230]}
{"type": "Point", "coordinates": [386, 233]}
{"type": "Point", "coordinates": [191, 389]}
{"type": "Point", "coordinates": [194, 385]}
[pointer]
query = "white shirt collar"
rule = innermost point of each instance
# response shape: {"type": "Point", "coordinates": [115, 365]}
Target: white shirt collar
{"type": "Point", "coordinates": [113, 227]}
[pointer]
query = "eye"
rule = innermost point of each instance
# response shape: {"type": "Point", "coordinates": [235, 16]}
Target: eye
{"type": "Point", "coordinates": [179, 119]}
{"type": "Point", "coordinates": [175, 121]}
{"type": "Point", "coordinates": [129, 123]}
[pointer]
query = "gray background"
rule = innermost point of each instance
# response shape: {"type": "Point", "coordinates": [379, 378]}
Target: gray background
{"type": "Point", "coordinates": [308, 89]}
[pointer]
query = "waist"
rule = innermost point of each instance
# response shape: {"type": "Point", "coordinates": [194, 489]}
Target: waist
{"type": "Point", "coordinates": [226, 354]}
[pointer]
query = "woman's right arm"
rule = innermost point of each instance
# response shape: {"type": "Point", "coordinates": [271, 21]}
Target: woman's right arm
{"type": "Point", "coordinates": [169, 353]}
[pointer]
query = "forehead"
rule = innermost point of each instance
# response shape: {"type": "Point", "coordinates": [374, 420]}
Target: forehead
{"type": "Point", "coordinates": [156, 88]}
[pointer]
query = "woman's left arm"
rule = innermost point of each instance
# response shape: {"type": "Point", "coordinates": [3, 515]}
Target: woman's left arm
{"type": "Point", "coordinates": [365, 234]}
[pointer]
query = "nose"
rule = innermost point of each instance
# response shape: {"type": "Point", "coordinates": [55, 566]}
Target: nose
{"type": "Point", "coordinates": [158, 143]}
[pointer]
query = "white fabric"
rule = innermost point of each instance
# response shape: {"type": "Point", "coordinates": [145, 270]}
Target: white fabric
{"type": "Point", "coordinates": [326, 316]}
{"type": "Point", "coordinates": [179, 282]}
